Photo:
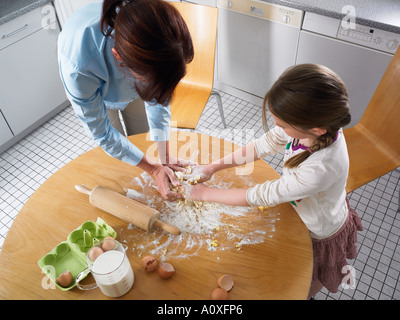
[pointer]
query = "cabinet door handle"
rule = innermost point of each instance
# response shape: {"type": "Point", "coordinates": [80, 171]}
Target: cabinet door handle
{"type": "Point", "coordinates": [14, 32]}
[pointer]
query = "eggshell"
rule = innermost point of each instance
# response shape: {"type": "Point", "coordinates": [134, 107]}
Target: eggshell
{"type": "Point", "coordinates": [65, 279]}
{"type": "Point", "coordinates": [225, 282]}
{"type": "Point", "coordinates": [149, 263]}
{"type": "Point", "coordinates": [219, 294]}
{"type": "Point", "coordinates": [95, 252]}
{"type": "Point", "coordinates": [166, 270]}
{"type": "Point", "coordinates": [108, 243]}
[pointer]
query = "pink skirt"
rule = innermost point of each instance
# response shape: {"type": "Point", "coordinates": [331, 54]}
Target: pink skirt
{"type": "Point", "coordinates": [330, 254]}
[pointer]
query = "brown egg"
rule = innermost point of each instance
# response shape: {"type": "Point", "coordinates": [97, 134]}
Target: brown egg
{"type": "Point", "coordinates": [219, 294]}
{"type": "Point", "coordinates": [149, 263]}
{"type": "Point", "coordinates": [166, 270]}
{"type": "Point", "coordinates": [225, 282]}
{"type": "Point", "coordinates": [65, 279]}
{"type": "Point", "coordinates": [108, 243]}
{"type": "Point", "coordinates": [95, 252]}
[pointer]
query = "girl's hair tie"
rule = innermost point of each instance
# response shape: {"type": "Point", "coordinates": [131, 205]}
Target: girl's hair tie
{"type": "Point", "coordinates": [309, 150]}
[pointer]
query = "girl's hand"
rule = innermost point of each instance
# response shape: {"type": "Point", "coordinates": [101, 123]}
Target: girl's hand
{"type": "Point", "coordinates": [199, 174]}
{"type": "Point", "coordinates": [163, 177]}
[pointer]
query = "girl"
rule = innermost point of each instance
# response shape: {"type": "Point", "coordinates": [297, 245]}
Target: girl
{"type": "Point", "coordinates": [112, 52]}
{"type": "Point", "coordinates": [309, 105]}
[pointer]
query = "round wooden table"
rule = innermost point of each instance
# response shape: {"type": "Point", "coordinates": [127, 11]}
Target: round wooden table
{"type": "Point", "coordinates": [279, 267]}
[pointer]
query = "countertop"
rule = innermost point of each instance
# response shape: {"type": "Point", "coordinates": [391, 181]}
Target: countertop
{"type": "Point", "coordinates": [381, 14]}
{"type": "Point", "coordinates": [11, 9]}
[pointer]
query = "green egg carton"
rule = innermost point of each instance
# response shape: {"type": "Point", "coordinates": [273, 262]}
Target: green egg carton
{"type": "Point", "coordinates": [71, 254]}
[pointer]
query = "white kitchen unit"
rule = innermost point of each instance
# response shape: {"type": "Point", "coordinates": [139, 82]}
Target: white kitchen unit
{"type": "Point", "coordinates": [30, 87]}
{"type": "Point", "coordinates": [359, 56]}
{"type": "Point", "coordinates": [257, 41]}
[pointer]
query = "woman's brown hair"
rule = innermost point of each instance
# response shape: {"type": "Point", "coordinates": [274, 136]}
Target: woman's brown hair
{"type": "Point", "coordinates": [309, 96]}
{"type": "Point", "coordinates": [153, 41]}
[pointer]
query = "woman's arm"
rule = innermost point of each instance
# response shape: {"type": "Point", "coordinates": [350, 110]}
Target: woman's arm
{"type": "Point", "coordinates": [83, 92]}
{"type": "Point", "coordinates": [89, 106]}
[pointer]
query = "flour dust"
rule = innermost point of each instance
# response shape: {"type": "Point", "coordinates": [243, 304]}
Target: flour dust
{"type": "Point", "coordinates": [202, 224]}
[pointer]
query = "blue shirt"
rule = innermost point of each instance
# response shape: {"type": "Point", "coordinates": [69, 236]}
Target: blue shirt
{"type": "Point", "coordinates": [94, 81]}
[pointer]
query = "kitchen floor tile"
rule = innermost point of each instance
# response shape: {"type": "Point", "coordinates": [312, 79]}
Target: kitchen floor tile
{"type": "Point", "coordinates": [27, 164]}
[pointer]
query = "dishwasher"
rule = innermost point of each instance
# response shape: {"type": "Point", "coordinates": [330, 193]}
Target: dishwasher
{"type": "Point", "coordinates": [359, 55]}
{"type": "Point", "coordinates": [256, 42]}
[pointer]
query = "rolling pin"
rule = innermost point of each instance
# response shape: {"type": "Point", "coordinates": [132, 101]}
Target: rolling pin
{"type": "Point", "coordinates": [126, 209]}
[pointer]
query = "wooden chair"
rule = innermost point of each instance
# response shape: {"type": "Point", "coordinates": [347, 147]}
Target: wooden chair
{"type": "Point", "coordinates": [374, 142]}
{"type": "Point", "coordinates": [194, 90]}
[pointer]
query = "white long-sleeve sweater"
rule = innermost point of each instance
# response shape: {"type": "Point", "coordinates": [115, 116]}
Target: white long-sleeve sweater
{"type": "Point", "coordinates": [316, 188]}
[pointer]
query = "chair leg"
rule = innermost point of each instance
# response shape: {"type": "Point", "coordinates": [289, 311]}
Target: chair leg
{"type": "Point", "coordinates": [219, 102]}
{"type": "Point", "coordinates": [398, 209]}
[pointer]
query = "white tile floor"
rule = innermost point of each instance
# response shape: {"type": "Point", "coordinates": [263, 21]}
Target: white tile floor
{"type": "Point", "coordinates": [26, 165]}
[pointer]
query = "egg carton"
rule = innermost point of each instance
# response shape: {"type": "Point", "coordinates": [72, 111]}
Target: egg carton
{"type": "Point", "coordinates": [71, 254]}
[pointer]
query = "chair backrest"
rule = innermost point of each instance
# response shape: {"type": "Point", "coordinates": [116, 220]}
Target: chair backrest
{"type": "Point", "coordinates": [381, 119]}
{"type": "Point", "coordinates": [202, 23]}
{"type": "Point", "coordinates": [373, 143]}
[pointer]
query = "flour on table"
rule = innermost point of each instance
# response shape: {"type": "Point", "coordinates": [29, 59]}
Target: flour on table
{"type": "Point", "coordinates": [214, 225]}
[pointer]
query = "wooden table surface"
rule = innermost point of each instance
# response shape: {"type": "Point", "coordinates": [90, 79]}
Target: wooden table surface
{"type": "Point", "coordinates": [279, 267]}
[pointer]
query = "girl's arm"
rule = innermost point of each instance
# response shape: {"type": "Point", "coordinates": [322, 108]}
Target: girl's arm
{"type": "Point", "coordinates": [232, 197]}
{"type": "Point", "coordinates": [243, 155]}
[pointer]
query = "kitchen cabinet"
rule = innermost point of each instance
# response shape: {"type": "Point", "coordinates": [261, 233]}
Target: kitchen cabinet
{"type": "Point", "coordinates": [31, 90]}
{"type": "Point", "coordinates": [256, 43]}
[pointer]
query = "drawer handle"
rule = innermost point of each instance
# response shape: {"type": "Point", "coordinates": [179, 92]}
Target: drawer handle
{"type": "Point", "coordinates": [257, 11]}
{"type": "Point", "coordinates": [14, 32]}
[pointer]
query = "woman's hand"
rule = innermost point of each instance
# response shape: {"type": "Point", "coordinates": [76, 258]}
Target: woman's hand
{"type": "Point", "coordinates": [164, 177]}
{"type": "Point", "coordinates": [166, 159]}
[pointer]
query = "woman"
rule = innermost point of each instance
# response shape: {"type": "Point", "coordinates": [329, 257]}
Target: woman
{"type": "Point", "coordinates": [110, 54]}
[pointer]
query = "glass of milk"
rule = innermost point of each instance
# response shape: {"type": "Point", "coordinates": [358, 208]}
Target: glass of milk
{"type": "Point", "coordinates": [110, 267]}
